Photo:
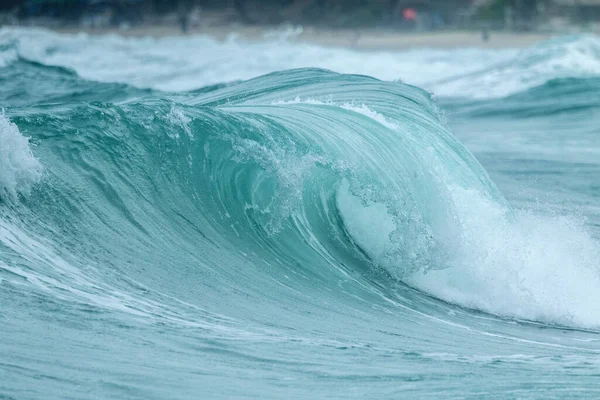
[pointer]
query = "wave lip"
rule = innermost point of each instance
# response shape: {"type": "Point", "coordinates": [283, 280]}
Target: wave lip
{"type": "Point", "coordinates": [19, 169]}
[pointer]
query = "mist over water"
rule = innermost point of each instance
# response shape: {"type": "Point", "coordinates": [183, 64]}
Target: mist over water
{"type": "Point", "coordinates": [183, 217]}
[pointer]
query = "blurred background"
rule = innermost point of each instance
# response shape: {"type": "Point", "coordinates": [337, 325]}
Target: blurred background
{"type": "Point", "coordinates": [402, 15]}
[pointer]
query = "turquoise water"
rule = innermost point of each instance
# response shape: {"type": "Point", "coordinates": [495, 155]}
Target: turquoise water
{"type": "Point", "coordinates": [257, 220]}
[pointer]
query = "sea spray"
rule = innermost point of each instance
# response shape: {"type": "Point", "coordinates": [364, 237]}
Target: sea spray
{"type": "Point", "coordinates": [19, 169]}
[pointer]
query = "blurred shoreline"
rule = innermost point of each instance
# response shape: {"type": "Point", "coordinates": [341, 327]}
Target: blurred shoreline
{"type": "Point", "coordinates": [381, 25]}
{"type": "Point", "coordinates": [360, 39]}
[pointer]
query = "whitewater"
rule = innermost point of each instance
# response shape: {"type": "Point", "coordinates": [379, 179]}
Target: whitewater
{"type": "Point", "coordinates": [190, 218]}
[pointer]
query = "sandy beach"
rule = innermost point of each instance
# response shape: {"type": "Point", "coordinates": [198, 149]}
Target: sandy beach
{"type": "Point", "coordinates": [362, 39]}
{"type": "Point", "coordinates": [390, 40]}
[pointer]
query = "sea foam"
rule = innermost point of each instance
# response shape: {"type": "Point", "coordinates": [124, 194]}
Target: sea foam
{"type": "Point", "coordinates": [19, 169]}
{"type": "Point", "coordinates": [519, 264]}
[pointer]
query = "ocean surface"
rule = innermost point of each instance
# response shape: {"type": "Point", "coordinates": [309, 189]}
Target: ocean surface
{"type": "Point", "coordinates": [182, 218]}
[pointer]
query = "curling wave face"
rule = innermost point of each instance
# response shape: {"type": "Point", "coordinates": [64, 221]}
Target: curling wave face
{"type": "Point", "coordinates": [327, 224]}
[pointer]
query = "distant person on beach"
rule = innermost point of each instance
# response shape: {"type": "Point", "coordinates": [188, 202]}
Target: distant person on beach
{"type": "Point", "coordinates": [485, 35]}
{"type": "Point", "coordinates": [183, 17]}
{"type": "Point", "coordinates": [409, 15]}
{"type": "Point", "coordinates": [195, 18]}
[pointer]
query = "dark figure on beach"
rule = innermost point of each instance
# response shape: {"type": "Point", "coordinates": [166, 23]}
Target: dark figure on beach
{"type": "Point", "coordinates": [485, 34]}
{"type": "Point", "coordinates": [184, 17]}
{"type": "Point", "coordinates": [240, 8]}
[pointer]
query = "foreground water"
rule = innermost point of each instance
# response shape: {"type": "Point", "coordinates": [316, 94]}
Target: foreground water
{"type": "Point", "coordinates": [170, 229]}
